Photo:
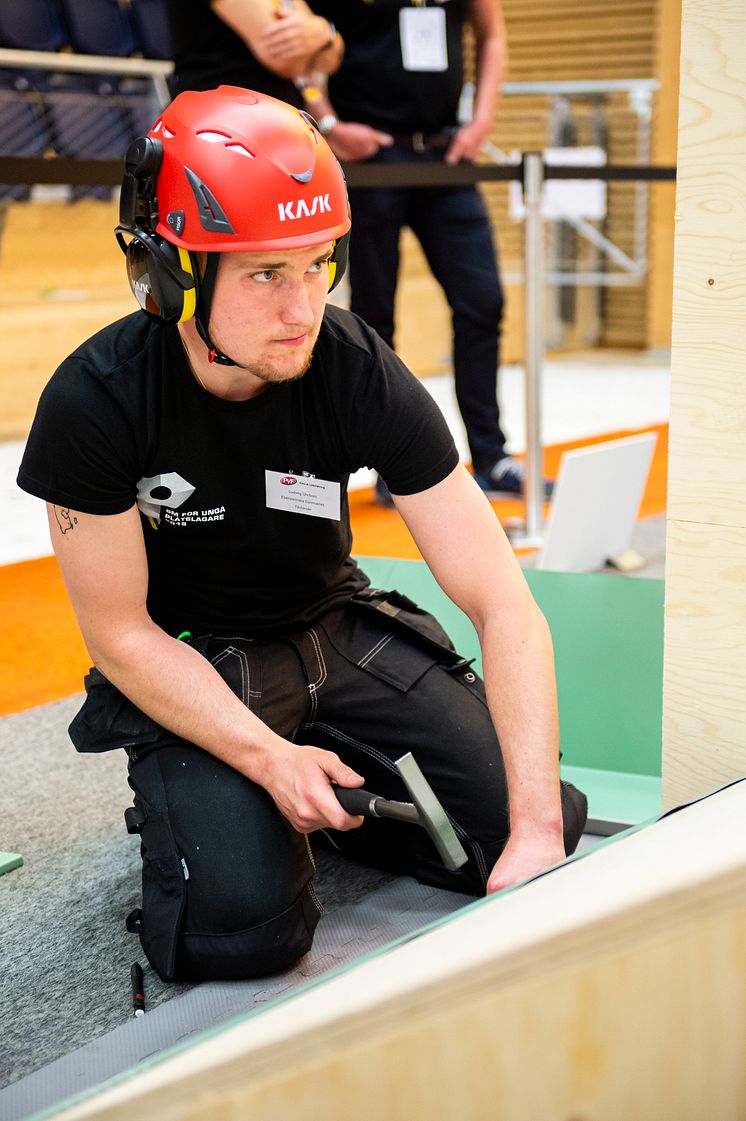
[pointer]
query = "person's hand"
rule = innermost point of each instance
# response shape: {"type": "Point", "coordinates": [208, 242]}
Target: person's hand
{"type": "Point", "coordinates": [299, 779]}
{"type": "Point", "coordinates": [467, 142]}
{"type": "Point", "coordinates": [523, 858]}
{"type": "Point", "coordinates": [295, 36]}
{"type": "Point", "coordinates": [351, 141]}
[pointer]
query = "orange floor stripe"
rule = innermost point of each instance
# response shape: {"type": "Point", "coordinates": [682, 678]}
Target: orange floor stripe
{"type": "Point", "coordinates": [43, 655]}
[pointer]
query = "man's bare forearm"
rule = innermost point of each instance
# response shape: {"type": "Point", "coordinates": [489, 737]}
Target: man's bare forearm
{"type": "Point", "coordinates": [521, 692]}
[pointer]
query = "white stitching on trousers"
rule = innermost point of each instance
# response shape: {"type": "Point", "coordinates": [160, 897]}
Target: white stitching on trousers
{"type": "Point", "coordinates": [376, 649]}
{"type": "Point", "coordinates": [243, 661]}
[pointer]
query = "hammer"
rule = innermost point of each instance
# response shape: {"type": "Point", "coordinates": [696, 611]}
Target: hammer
{"type": "Point", "coordinates": [424, 810]}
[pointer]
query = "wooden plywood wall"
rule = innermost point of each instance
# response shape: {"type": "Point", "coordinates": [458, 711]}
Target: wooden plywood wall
{"type": "Point", "coordinates": [613, 989]}
{"type": "Point", "coordinates": [704, 724]}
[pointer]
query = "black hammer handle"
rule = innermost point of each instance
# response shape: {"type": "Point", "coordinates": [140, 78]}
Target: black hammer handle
{"type": "Point", "coordinates": [362, 802]}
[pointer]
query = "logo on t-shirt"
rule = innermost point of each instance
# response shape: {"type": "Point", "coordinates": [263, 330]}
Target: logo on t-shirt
{"type": "Point", "coordinates": [168, 490]}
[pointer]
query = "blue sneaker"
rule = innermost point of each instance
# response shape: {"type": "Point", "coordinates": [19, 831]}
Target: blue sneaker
{"type": "Point", "coordinates": [382, 494]}
{"type": "Point", "coordinates": [507, 479]}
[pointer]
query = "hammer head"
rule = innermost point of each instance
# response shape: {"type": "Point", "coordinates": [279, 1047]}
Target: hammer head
{"type": "Point", "coordinates": [433, 817]}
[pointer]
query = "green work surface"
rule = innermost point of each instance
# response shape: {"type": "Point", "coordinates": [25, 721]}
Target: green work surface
{"type": "Point", "coordinates": [9, 861]}
{"type": "Point", "coordinates": [614, 797]}
{"type": "Point", "coordinates": [608, 645]}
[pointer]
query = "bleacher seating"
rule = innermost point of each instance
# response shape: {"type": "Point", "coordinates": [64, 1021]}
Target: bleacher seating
{"type": "Point", "coordinates": [100, 27]}
{"type": "Point", "coordinates": [86, 115]}
{"type": "Point", "coordinates": [32, 25]}
{"type": "Point", "coordinates": [150, 24]}
{"type": "Point", "coordinates": [88, 120]}
{"type": "Point", "coordinates": [23, 126]}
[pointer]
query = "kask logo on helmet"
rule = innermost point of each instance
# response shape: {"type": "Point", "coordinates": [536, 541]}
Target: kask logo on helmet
{"type": "Point", "coordinates": [319, 205]}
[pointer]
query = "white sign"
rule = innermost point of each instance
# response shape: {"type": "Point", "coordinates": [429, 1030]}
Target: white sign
{"type": "Point", "coordinates": [567, 198]}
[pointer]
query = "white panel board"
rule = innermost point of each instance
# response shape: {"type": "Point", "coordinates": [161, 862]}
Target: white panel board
{"type": "Point", "coordinates": [594, 506]}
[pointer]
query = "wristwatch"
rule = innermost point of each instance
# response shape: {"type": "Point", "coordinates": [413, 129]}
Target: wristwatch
{"type": "Point", "coordinates": [327, 123]}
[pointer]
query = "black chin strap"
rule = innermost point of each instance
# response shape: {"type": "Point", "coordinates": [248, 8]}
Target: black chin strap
{"type": "Point", "coordinates": [202, 317]}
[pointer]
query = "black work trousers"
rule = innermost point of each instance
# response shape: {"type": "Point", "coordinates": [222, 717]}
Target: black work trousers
{"type": "Point", "coordinates": [227, 883]}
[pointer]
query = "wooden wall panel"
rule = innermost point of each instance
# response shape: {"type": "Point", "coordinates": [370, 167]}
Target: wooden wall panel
{"type": "Point", "coordinates": [613, 989]}
{"type": "Point", "coordinates": [704, 710]}
{"type": "Point", "coordinates": [704, 729]}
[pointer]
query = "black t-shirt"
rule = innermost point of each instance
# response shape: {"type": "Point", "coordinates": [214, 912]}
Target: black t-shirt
{"type": "Point", "coordinates": [208, 53]}
{"type": "Point", "coordinates": [372, 85]}
{"type": "Point", "coordinates": [123, 421]}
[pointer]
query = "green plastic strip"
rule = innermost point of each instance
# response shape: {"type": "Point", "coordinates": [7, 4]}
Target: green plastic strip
{"type": "Point", "coordinates": [9, 861]}
{"type": "Point", "coordinates": [616, 797]}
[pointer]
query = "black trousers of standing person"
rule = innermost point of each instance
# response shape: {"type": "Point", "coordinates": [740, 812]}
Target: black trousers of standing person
{"type": "Point", "coordinates": [227, 882]}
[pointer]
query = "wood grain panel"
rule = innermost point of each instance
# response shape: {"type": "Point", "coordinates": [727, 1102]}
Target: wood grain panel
{"type": "Point", "coordinates": [704, 731]}
{"type": "Point", "coordinates": [614, 989]}
{"type": "Point", "coordinates": [704, 679]}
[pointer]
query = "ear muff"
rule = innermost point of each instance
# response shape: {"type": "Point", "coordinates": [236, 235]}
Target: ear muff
{"type": "Point", "coordinates": [338, 260]}
{"type": "Point", "coordinates": [163, 277]}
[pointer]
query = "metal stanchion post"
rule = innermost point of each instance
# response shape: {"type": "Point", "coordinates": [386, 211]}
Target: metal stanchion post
{"type": "Point", "coordinates": [533, 294]}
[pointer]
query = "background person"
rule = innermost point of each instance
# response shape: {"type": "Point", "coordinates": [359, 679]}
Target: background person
{"type": "Point", "coordinates": [395, 99]}
{"type": "Point", "coordinates": [261, 44]}
{"type": "Point", "coordinates": [197, 457]}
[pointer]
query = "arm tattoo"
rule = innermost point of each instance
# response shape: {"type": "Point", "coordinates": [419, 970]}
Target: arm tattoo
{"type": "Point", "coordinates": [66, 520]}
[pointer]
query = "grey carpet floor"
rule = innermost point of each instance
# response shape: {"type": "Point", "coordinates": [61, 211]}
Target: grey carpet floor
{"type": "Point", "coordinates": [401, 909]}
{"type": "Point", "coordinates": [65, 954]}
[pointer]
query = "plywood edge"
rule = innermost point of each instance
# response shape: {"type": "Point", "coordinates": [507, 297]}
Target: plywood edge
{"type": "Point", "coordinates": [688, 865]}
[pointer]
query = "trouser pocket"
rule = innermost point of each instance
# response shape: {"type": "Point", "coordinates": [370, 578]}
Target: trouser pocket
{"type": "Point", "coordinates": [390, 637]}
{"type": "Point", "coordinates": [403, 613]}
{"type": "Point", "coordinates": [108, 720]}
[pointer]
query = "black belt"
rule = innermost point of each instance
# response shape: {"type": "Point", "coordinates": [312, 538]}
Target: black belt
{"type": "Point", "coordinates": [422, 141]}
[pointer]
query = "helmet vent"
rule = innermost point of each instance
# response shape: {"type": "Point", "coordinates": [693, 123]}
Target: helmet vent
{"type": "Point", "coordinates": [211, 214]}
{"type": "Point", "coordinates": [240, 150]}
{"type": "Point", "coordinates": [213, 137]}
{"type": "Point", "coordinates": [167, 132]}
{"type": "Point", "coordinates": [302, 176]}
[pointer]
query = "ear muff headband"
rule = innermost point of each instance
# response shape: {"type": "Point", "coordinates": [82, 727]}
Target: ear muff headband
{"type": "Point", "coordinates": [338, 260]}
{"type": "Point", "coordinates": [190, 295]}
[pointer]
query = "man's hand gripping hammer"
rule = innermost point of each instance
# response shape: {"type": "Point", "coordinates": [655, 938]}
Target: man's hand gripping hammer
{"type": "Point", "coordinates": [424, 810]}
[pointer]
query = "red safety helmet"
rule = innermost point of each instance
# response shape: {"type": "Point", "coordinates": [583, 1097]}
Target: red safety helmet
{"type": "Point", "coordinates": [221, 170]}
{"type": "Point", "coordinates": [245, 171]}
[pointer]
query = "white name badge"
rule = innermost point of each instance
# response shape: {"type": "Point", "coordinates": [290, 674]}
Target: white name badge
{"type": "Point", "coordinates": [302, 494]}
{"type": "Point", "coordinates": [422, 33]}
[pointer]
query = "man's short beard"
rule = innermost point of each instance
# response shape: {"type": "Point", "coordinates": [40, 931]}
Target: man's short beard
{"type": "Point", "coordinates": [266, 373]}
